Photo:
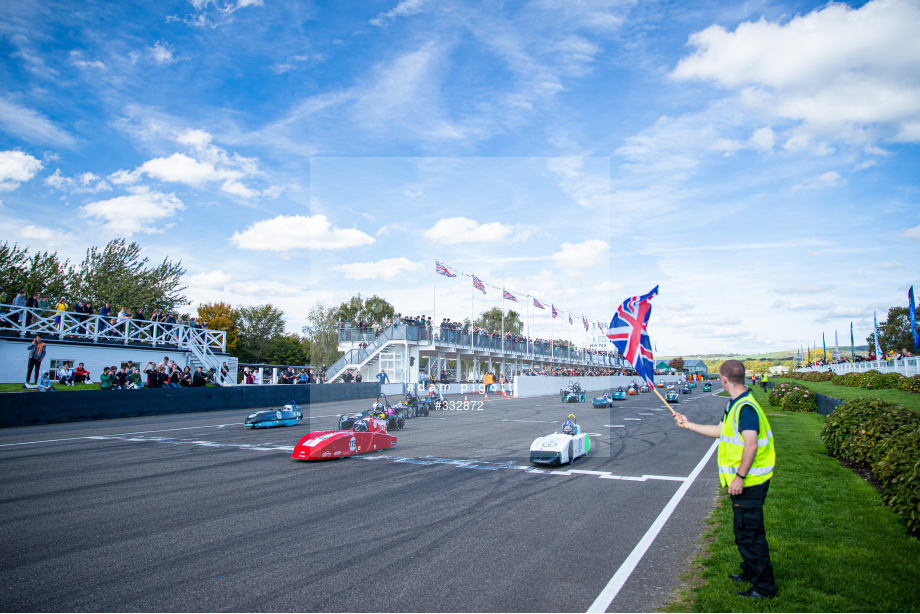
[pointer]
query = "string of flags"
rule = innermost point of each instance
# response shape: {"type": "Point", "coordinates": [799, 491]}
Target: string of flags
{"type": "Point", "coordinates": [478, 284]}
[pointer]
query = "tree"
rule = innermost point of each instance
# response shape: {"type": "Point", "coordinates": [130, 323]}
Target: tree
{"type": "Point", "coordinates": [492, 320]}
{"type": "Point", "coordinates": [356, 309]}
{"type": "Point", "coordinates": [894, 333]}
{"type": "Point", "coordinates": [42, 272]}
{"type": "Point", "coordinates": [289, 349]}
{"type": "Point", "coordinates": [677, 363]}
{"type": "Point", "coordinates": [257, 328]}
{"type": "Point", "coordinates": [221, 316]}
{"type": "Point", "coordinates": [322, 332]}
{"type": "Point", "coordinates": [118, 275]}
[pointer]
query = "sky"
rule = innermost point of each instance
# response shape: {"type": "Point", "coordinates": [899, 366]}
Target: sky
{"type": "Point", "coordinates": [758, 161]}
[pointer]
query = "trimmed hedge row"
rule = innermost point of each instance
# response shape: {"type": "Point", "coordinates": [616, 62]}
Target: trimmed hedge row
{"type": "Point", "coordinates": [793, 397]}
{"type": "Point", "coordinates": [865, 379]}
{"type": "Point", "coordinates": [885, 438]}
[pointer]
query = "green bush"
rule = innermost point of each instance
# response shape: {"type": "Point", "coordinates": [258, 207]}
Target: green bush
{"type": "Point", "coordinates": [779, 390]}
{"type": "Point", "coordinates": [800, 399]}
{"type": "Point", "coordinates": [885, 438]}
{"type": "Point", "coordinates": [898, 470]}
{"type": "Point", "coordinates": [909, 384]}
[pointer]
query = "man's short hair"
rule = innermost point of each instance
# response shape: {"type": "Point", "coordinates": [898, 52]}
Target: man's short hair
{"type": "Point", "coordinates": [733, 370]}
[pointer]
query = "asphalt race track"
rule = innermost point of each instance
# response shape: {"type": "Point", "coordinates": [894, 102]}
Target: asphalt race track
{"type": "Point", "coordinates": [194, 512]}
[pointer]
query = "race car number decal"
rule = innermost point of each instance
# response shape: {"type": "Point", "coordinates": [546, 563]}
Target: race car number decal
{"type": "Point", "coordinates": [352, 444]}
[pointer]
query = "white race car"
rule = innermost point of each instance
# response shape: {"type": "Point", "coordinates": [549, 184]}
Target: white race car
{"type": "Point", "coordinates": [560, 447]}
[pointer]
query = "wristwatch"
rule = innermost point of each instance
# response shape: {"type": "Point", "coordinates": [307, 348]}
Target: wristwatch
{"type": "Point", "coordinates": [740, 476]}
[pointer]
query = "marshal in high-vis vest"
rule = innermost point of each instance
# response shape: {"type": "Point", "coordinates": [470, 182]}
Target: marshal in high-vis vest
{"type": "Point", "coordinates": [746, 459]}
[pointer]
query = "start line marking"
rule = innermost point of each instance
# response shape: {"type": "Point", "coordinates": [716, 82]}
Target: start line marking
{"type": "Point", "coordinates": [422, 460]}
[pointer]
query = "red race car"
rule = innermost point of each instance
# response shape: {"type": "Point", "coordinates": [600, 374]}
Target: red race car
{"type": "Point", "coordinates": [366, 435]}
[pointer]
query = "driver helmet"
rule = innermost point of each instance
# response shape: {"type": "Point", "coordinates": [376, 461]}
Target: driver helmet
{"type": "Point", "coordinates": [568, 427]}
{"type": "Point", "coordinates": [378, 406]}
{"type": "Point", "coordinates": [359, 426]}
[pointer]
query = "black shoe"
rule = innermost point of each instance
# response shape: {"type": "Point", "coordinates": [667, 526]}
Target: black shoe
{"type": "Point", "coordinates": [737, 578]}
{"type": "Point", "coordinates": [753, 594]}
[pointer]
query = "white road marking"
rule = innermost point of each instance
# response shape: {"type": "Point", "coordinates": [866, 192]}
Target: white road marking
{"type": "Point", "coordinates": [640, 419]}
{"type": "Point", "coordinates": [642, 414]}
{"type": "Point", "coordinates": [616, 426]}
{"type": "Point", "coordinates": [186, 428]}
{"type": "Point", "coordinates": [544, 421]}
{"type": "Point", "coordinates": [622, 574]}
{"type": "Point", "coordinates": [195, 442]}
{"type": "Point", "coordinates": [494, 466]}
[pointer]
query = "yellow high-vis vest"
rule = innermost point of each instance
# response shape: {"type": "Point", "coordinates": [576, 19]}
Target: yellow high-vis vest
{"type": "Point", "coordinates": [731, 445]}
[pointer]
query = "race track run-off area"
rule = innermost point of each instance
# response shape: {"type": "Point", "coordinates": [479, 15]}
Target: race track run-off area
{"type": "Point", "coordinates": [194, 512]}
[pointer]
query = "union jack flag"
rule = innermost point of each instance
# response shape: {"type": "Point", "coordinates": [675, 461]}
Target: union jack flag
{"type": "Point", "coordinates": [585, 322]}
{"type": "Point", "coordinates": [440, 269]}
{"type": "Point", "coordinates": [555, 313]}
{"type": "Point", "coordinates": [570, 319]}
{"type": "Point", "coordinates": [477, 283]}
{"type": "Point", "coordinates": [538, 304]}
{"type": "Point", "coordinates": [628, 333]}
{"type": "Point", "coordinates": [508, 296]}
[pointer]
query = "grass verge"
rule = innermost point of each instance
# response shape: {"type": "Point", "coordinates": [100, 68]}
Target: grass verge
{"type": "Point", "coordinates": [835, 547]}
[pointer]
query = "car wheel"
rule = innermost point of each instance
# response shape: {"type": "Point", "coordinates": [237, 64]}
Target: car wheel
{"type": "Point", "coordinates": [400, 423]}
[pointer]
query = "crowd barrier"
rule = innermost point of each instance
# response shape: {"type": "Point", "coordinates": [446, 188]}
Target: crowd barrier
{"type": "Point", "coordinates": [826, 404]}
{"type": "Point", "coordinates": [30, 408]}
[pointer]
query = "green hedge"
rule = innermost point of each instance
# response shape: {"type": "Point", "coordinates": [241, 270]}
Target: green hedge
{"type": "Point", "coordinates": [871, 379]}
{"type": "Point", "coordinates": [885, 438]}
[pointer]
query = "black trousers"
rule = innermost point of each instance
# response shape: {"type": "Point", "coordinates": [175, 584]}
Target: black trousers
{"type": "Point", "coordinates": [751, 538]}
{"type": "Point", "coordinates": [33, 364]}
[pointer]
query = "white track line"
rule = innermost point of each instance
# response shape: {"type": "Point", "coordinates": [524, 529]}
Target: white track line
{"type": "Point", "coordinates": [622, 574]}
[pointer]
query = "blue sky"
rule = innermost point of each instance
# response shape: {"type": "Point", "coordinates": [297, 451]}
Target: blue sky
{"type": "Point", "coordinates": [758, 160]}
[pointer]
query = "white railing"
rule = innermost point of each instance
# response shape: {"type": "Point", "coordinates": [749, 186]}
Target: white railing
{"type": "Point", "coordinates": [26, 322]}
{"type": "Point", "coordinates": [904, 366]}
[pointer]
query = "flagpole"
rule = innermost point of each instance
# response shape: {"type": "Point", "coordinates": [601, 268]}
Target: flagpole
{"type": "Point", "coordinates": [434, 300]}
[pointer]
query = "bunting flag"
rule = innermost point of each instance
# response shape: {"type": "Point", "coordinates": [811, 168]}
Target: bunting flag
{"type": "Point", "coordinates": [852, 343]}
{"type": "Point", "coordinates": [913, 318]}
{"type": "Point", "coordinates": [508, 296]}
{"type": "Point", "coordinates": [440, 269]}
{"type": "Point", "coordinates": [585, 322]}
{"type": "Point", "coordinates": [570, 318]}
{"type": "Point", "coordinates": [555, 313]}
{"type": "Point", "coordinates": [477, 283]}
{"type": "Point", "coordinates": [878, 348]}
{"type": "Point", "coordinates": [628, 332]}
{"type": "Point", "coordinates": [538, 304]}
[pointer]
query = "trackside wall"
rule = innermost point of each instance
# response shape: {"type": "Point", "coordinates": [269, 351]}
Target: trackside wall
{"type": "Point", "coordinates": [29, 408]}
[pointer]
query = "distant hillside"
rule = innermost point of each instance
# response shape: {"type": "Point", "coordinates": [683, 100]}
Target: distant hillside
{"type": "Point", "coordinates": [772, 356]}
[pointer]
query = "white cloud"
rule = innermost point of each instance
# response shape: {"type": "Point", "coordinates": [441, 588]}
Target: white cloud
{"type": "Point", "coordinates": [162, 53]}
{"type": "Point", "coordinates": [835, 69]}
{"type": "Point", "coordinates": [40, 233]}
{"type": "Point", "coordinates": [77, 59]}
{"type": "Point", "coordinates": [82, 183]}
{"type": "Point", "coordinates": [912, 233]}
{"type": "Point", "coordinates": [581, 255]}
{"type": "Point", "coordinates": [214, 13]}
{"type": "Point", "coordinates": [133, 213]}
{"type": "Point", "coordinates": [31, 126]}
{"type": "Point", "coordinates": [179, 168]}
{"type": "Point", "coordinates": [296, 232]}
{"type": "Point", "coordinates": [806, 289]}
{"type": "Point", "coordinates": [16, 167]}
{"type": "Point", "coordinates": [827, 179]}
{"type": "Point", "coordinates": [465, 230]}
{"type": "Point", "coordinates": [588, 189]}
{"type": "Point", "coordinates": [387, 268]}
{"type": "Point", "coordinates": [211, 164]}
{"type": "Point", "coordinates": [405, 8]}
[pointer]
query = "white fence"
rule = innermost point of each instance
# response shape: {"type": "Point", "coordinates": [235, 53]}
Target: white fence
{"type": "Point", "coordinates": [904, 366]}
